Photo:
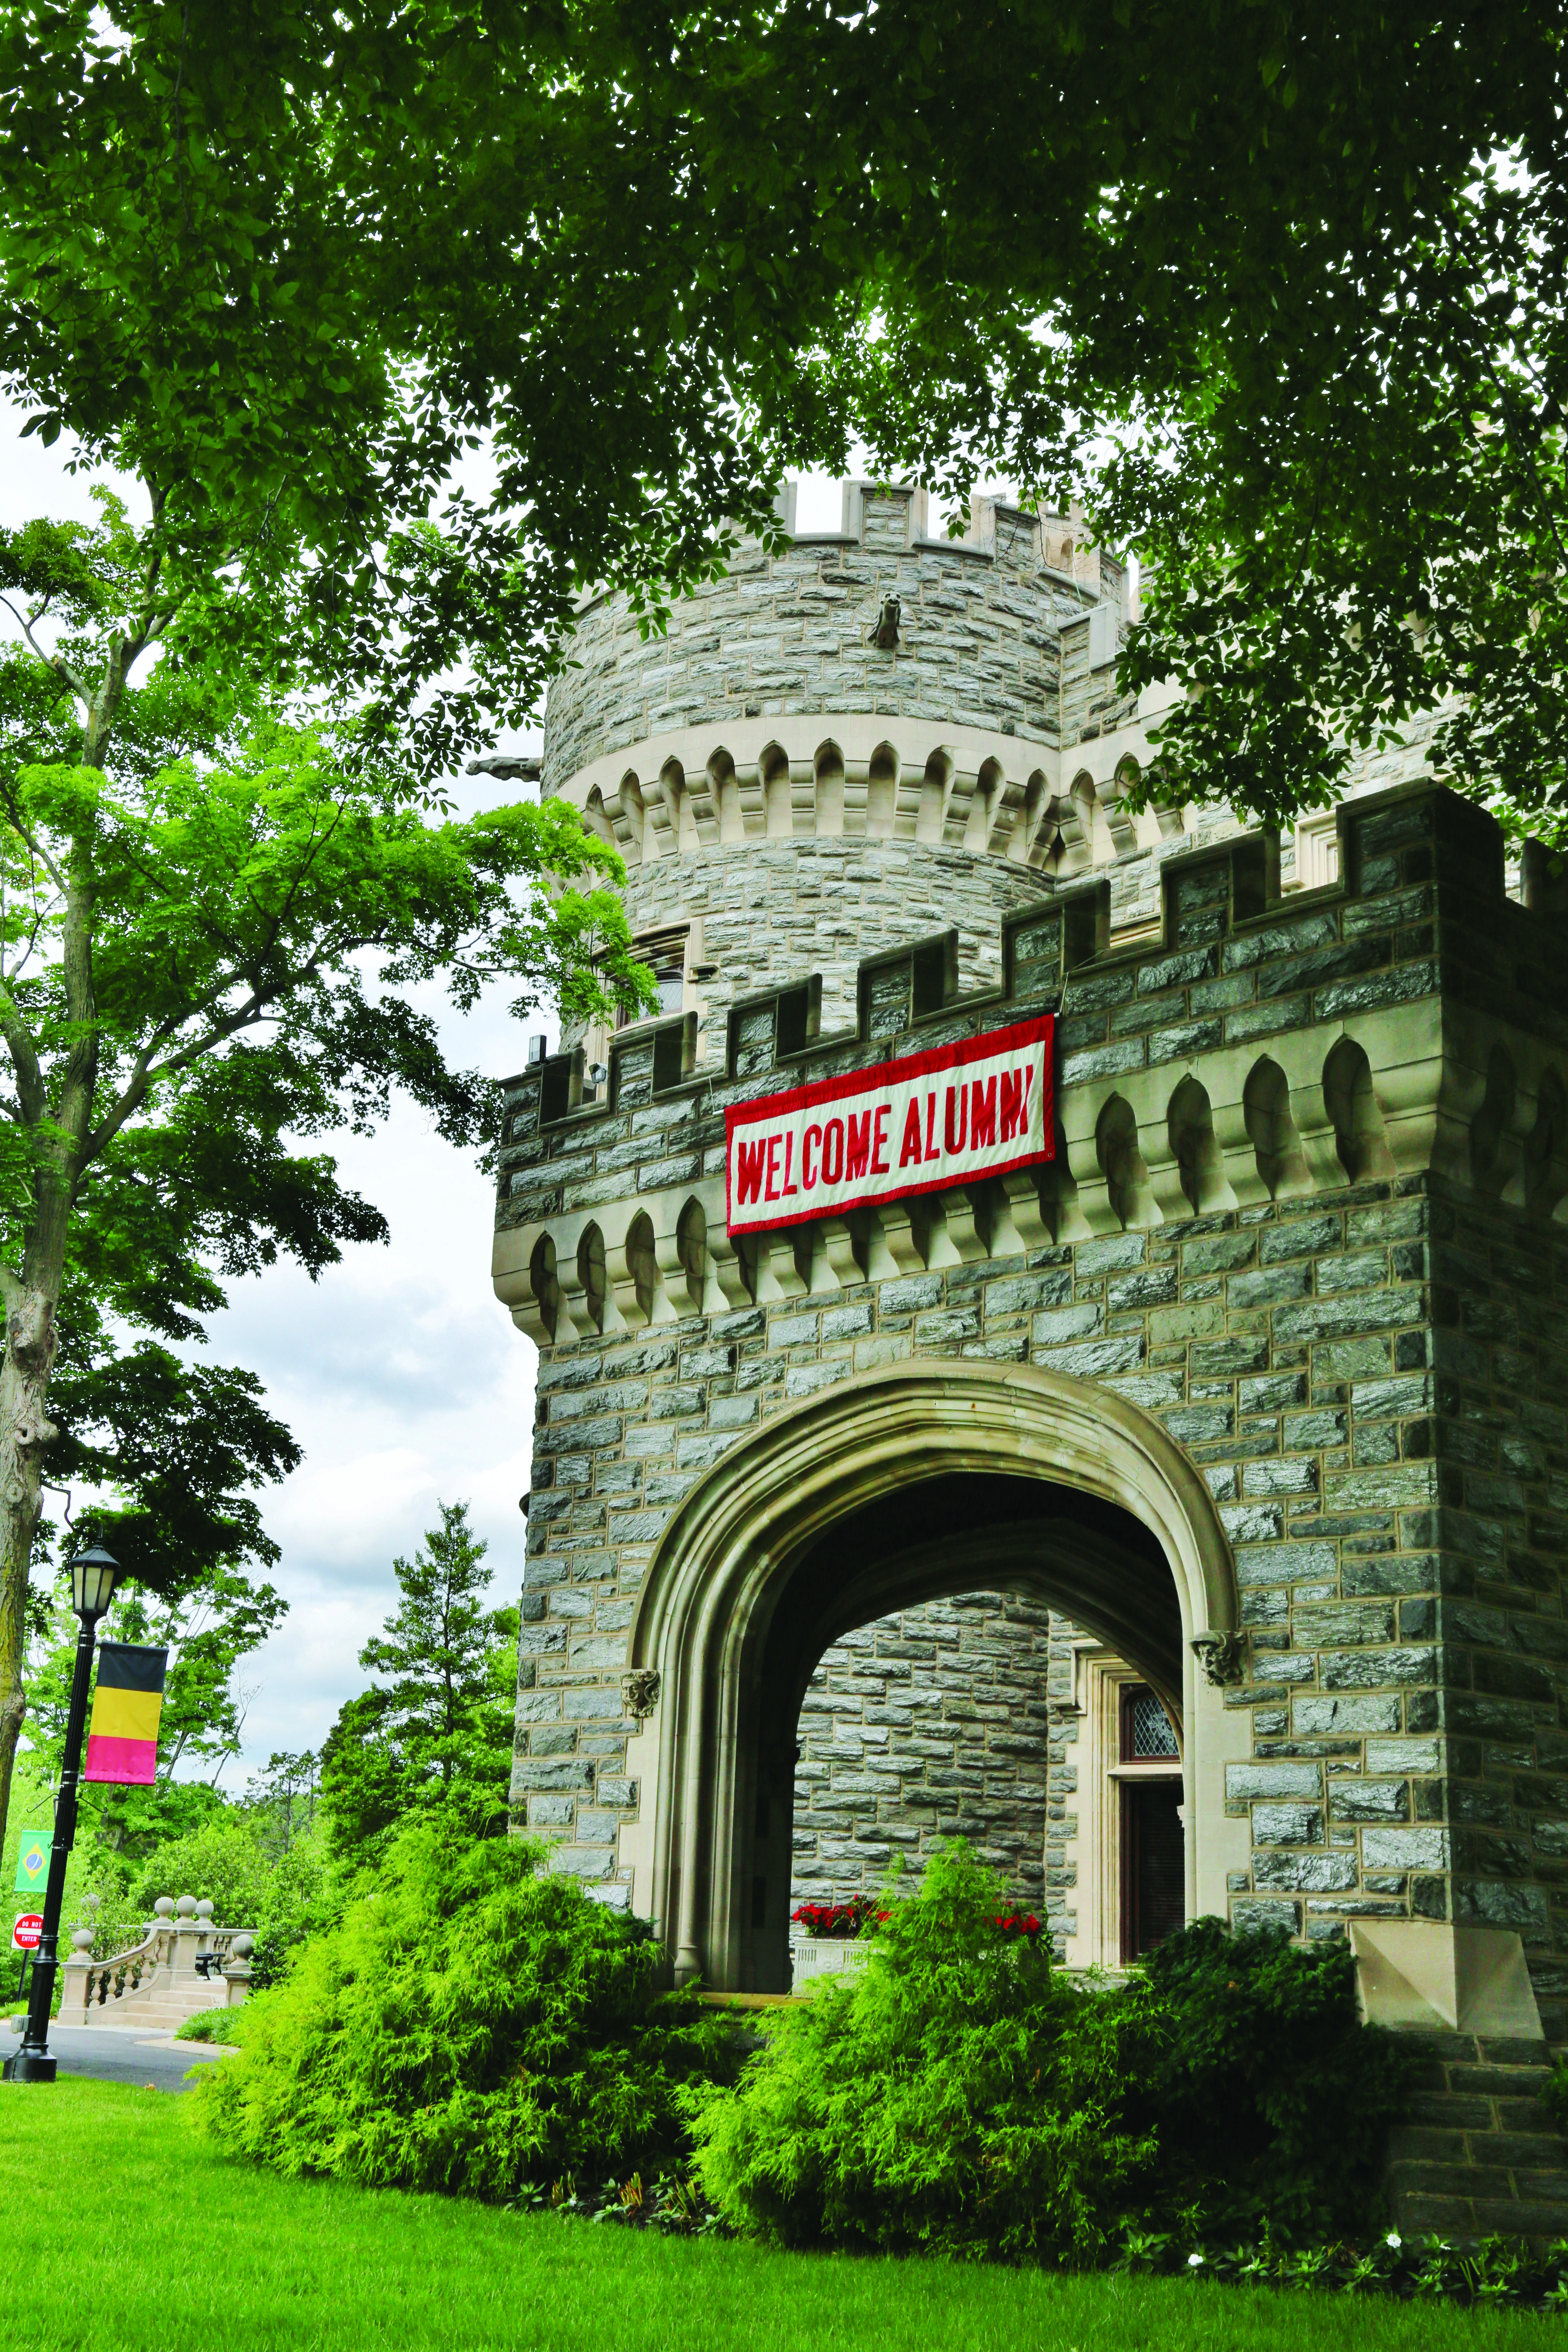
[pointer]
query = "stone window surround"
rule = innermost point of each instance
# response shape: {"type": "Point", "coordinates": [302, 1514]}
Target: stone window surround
{"type": "Point", "coordinates": [655, 945]}
{"type": "Point", "coordinates": [1093, 1847]}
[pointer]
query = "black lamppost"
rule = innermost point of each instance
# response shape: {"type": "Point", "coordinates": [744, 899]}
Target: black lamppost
{"type": "Point", "coordinates": [93, 1576]}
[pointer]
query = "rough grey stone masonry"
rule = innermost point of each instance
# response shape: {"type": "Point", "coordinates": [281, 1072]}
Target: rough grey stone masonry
{"type": "Point", "coordinates": [1369, 1374]}
{"type": "Point", "coordinates": [930, 1724]}
{"type": "Point", "coordinates": [821, 907]}
{"type": "Point", "coordinates": [988, 637]}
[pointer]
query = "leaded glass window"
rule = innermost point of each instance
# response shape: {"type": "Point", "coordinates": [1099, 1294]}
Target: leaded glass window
{"type": "Point", "coordinates": [1147, 1736]}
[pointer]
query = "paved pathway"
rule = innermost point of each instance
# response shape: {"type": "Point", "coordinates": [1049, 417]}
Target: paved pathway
{"type": "Point", "coordinates": [124, 2053]}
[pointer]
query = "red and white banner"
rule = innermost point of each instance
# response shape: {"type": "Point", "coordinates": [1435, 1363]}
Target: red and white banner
{"type": "Point", "coordinates": [935, 1120]}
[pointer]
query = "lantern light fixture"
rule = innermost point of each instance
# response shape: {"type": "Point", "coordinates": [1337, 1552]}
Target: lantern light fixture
{"type": "Point", "coordinates": [94, 1575]}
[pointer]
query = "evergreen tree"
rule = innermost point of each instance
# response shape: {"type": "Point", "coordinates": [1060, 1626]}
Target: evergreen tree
{"type": "Point", "coordinates": [437, 1733]}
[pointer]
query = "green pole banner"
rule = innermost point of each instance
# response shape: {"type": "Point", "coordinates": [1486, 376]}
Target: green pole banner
{"type": "Point", "coordinates": [33, 1861]}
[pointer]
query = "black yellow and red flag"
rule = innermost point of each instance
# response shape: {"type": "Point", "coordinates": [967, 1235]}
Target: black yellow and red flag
{"type": "Point", "coordinates": [122, 1738]}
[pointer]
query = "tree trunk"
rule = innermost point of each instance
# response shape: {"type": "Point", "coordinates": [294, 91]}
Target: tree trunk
{"type": "Point", "coordinates": [28, 1355]}
{"type": "Point", "coordinates": [24, 1430]}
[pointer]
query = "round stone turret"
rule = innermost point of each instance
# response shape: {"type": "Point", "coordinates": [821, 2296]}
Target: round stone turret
{"type": "Point", "coordinates": [873, 736]}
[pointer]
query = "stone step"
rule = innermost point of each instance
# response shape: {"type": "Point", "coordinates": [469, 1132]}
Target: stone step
{"type": "Point", "coordinates": [163, 2015]}
{"type": "Point", "coordinates": [1536, 2158]}
{"type": "Point", "coordinates": [1481, 2217]}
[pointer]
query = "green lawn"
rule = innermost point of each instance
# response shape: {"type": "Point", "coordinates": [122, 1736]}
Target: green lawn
{"type": "Point", "coordinates": [125, 2233]}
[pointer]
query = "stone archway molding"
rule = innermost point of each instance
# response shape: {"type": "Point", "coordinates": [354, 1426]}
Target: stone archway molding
{"type": "Point", "coordinates": [723, 1563]}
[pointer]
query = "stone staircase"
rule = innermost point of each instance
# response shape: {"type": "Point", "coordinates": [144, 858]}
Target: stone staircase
{"type": "Point", "coordinates": [1481, 2152]}
{"type": "Point", "coordinates": [184, 1964]}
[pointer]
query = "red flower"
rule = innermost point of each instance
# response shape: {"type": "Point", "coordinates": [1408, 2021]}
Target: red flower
{"type": "Point", "coordinates": [842, 1921]}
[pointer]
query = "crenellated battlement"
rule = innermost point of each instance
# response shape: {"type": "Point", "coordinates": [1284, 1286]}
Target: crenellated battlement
{"type": "Point", "coordinates": [1261, 1048]}
{"type": "Point", "coordinates": [1254, 1396]}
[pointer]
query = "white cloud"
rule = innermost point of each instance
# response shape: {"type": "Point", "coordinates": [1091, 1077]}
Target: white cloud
{"type": "Point", "coordinates": [405, 1384]}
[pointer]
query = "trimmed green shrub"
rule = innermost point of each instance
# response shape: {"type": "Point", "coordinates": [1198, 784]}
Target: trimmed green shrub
{"type": "Point", "coordinates": [959, 2094]}
{"type": "Point", "coordinates": [956, 2093]}
{"type": "Point", "coordinates": [1272, 2101]}
{"type": "Point", "coordinates": [475, 2023]}
{"type": "Point", "coordinates": [234, 2026]}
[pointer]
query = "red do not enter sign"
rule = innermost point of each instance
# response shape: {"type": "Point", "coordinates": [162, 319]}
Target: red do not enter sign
{"type": "Point", "coordinates": [27, 1933]}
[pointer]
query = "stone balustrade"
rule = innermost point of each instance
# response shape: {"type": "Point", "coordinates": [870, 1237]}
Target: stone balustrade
{"type": "Point", "coordinates": [184, 1964]}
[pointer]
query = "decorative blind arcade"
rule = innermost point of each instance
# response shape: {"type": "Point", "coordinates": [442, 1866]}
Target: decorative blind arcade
{"type": "Point", "coordinates": [933, 1120]}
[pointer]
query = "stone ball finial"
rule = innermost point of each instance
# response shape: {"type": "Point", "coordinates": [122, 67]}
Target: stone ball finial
{"type": "Point", "coordinates": [82, 1939]}
{"type": "Point", "coordinates": [243, 1947]}
{"type": "Point", "coordinates": [203, 1911]}
{"type": "Point", "coordinates": [165, 1906]}
{"type": "Point", "coordinates": [187, 1906]}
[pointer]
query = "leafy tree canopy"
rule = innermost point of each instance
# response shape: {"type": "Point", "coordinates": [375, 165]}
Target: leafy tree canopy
{"type": "Point", "coordinates": [436, 1732]}
{"type": "Point", "coordinates": [209, 914]}
{"type": "Point", "coordinates": [209, 1628]}
{"type": "Point", "coordinates": [1274, 287]}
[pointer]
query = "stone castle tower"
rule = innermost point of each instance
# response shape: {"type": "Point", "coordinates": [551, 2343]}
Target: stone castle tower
{"type": "Point", "coordinates": [1180, 1513]}
{"type": "Point", "coordinates": [791, 796]}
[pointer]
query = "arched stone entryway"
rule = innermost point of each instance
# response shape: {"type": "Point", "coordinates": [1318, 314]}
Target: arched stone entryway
{"type": "Point", "coordinates": [927, 1479]}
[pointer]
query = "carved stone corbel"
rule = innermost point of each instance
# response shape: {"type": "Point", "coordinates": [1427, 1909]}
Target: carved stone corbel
{"type": "Point", "coordinates": [724, 1279]}
{"type": "Point", "coordinates": [1017, 1218]}
{"type": "Point", "coordinates": [1220, 1656]}
{"type": "Point", "coordinates": [778, 1276]}
{"type": "Point", "coordinates": [891, 1247]}
{"type": "Point", "coordinates": [832, 1264]}
{"type": "Point", "coordinates": [640, 1689]}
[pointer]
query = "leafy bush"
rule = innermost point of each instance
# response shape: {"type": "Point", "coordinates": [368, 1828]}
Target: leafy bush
{"type": "Point", "coordinates": [1271, 2099]}
{"type": "Point", "coordinates": [1494, 2272]}
{"type": "Point", "coordinates": [959, 2094]}
{"type": "Point", "coordinates": [475, 2023]}
{"type": "Point", "coordinates": [223, 1861]}
{"type": "Point", "coordinates": [234, 2026]}
{"type": "Point", "coordinates": [282, 1897]}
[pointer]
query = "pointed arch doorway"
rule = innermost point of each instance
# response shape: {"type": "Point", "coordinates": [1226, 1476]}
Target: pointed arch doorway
{"type": "Point", "coordinates": [930, 1478]}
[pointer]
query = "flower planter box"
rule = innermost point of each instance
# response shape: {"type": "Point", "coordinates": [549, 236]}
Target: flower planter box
{"type": "Point", "coordinates": [812, 1957]}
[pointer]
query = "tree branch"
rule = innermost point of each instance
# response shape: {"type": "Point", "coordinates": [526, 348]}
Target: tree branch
{"type": "Point", "coordinates": [51, 661]}
{"type": "Point", "coordinates": [147, 1073]}
{"type": "Point", "coordinates": [31, 1093]}
{"type": "Point", "coordinates": [35, 848]}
